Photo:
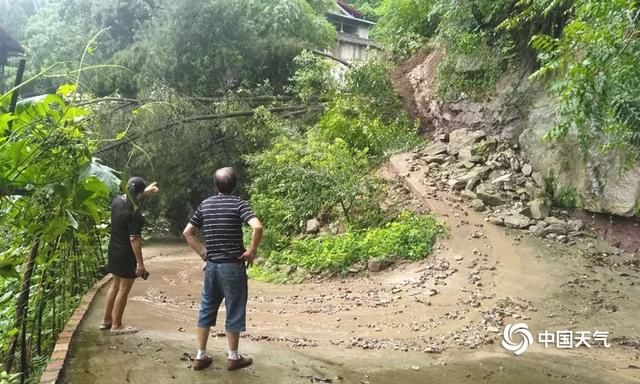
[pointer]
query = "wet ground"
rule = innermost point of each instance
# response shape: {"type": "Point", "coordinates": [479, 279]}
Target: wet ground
{"type": "Point", "coordinates": [437, 321]}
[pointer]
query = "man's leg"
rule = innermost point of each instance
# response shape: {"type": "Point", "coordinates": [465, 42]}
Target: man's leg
{"type": "Point", "coordinates": [234, 279]}
{"type": "Point", "coordinates": [107, 320]}
{"type": "Point", "coordinates": [210, 300]}
{"type": "Point", "coordinates": [121, 303]}
{"type": "Point", "coordinates": [202, 336]}
{"type": "Point", "coordinates": [233, 339]}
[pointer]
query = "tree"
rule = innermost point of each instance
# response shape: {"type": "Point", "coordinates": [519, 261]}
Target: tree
{"type": "Point", "coordinates": [596, 65]}
{"type": "Point", "coordinates": [224, 44]}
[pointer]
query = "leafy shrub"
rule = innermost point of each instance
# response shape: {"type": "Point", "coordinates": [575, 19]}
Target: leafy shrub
{"type": "Point", "coordinates": [474, 56]}
{"type": "Point", "coordinates": [595, 76]}
{"type": "Point", "coordinates": [312, 79]}
{"type": "Point", "coordinates": [296, 179]}
{"type": "Point", "coordinates": [567, 198]}
{"type": "Point", "coordinates": [358, 124]}
{"type": "Point", "coordinates": [410, 237]}
{"type": "Point", "coordinates": [405, 25]}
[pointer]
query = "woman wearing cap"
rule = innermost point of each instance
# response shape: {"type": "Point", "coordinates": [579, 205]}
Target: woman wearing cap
{"type": "Point", "coordinates": [125, 252]}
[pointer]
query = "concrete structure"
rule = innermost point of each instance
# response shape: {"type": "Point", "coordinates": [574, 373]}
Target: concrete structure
{"type": "Point", "coordinates": [8, 47]}
{"type": "Point", "coordinates": [353, 33]}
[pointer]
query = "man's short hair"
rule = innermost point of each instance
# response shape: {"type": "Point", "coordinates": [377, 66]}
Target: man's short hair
{"type": "Point", "coordinates": [225, 180]}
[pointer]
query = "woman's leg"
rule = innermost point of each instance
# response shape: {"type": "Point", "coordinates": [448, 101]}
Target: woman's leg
{"type": "Point", "coordinates": [111, 298]}
{"type": "Point", "coordinates": [121, 302]}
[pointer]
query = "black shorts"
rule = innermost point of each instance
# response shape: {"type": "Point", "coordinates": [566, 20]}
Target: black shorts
{"type": "Point", "coordinates": [122, 265]}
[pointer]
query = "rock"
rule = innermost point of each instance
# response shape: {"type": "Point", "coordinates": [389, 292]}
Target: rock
{"type": "Point", "coordinates": [377, 265]}
{"type": "Point", "coordinates": [538, 230]}
{"type": "Point", "coordinates": [539, 208]}
{"type": "Point", "coordinates": [473, 183]}
{"type": "Point", "coordinates": [313, 226]}
{"type": "Point", "coordinates": [467, 194]}
{"type": "Point", "coordinates": [432, 292]}
{"type": "Point", "coordinates": [514, 163]}
{"type": "Point", "coordinates": [468, 164]}
{"type": "Point", "coordinates": [527, 169]}
{"type": "Point", "coordinates": [488, 195]}
{"type": "Point", "coordinates": [598, 180]}
{"type": "Point", "coordinates": [539, 180]}
{"type": "Point", "coordinates": [496, 220]}
{"type": "Point", "coordinates": [356, 268]}
{"type": "Point", "coordinates": [415, 367]}
{"type": "Point", "coordinates": [553, 220]}
{"type": "Point", "coordinates": [556, 228]}
{"type": "Point", "coordinates": [575, 225]}
{"type": "Point", "coordinates": [456, 184]}
{"type": "Point", "coordinates": [525, 211]}
{"type": "Point", "coordinates": [444, 137]}
{"type": "Point", "coordinates": [459, 258]}
{"type": "Point", "coordinates": [476, 173]}
{"type": "Point", "coordinates": [462, 138]}
{"type": "Point", "coordinates": [437, 159]}
{"type": "Point", "coordinates": [478, 205]}
{"type": "Point", "coordinates": [493, 329]}
{"type": "Point", "coordinates": [502, 179]}
{"type": "Point", "coordinates": [436, 149]}
{"type": "Point", "coordinates": [517, 221]}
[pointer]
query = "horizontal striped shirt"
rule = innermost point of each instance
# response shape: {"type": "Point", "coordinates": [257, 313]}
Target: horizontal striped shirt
{"type": "Point", "coordinates": [220, 219]}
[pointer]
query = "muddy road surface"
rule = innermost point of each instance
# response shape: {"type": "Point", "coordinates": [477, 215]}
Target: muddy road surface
{"type": "Point", "coordinates": [437, 321]}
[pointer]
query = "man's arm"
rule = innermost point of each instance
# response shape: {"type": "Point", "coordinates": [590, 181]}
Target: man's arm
{"type": "Point", "coordinates": [136, 245]}
{"type": "Point", "coordinates": [190, 233]}
{"type": "Point", "coordinates": [256, 238]}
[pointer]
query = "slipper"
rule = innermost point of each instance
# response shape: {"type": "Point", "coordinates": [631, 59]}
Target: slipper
{"type": "Point", "coordinates": [125, 331]}
{"type": "Point", "coordinates": [104, 327]}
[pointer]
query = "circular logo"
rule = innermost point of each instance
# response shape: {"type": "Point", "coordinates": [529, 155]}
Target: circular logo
{"type": "Point", "coordinates": [512, 330]}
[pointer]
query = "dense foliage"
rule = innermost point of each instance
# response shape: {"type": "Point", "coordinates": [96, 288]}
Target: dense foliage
{"type": "Point", "coordinates": [595, 76]}
{"type": "Point", "coordinates": [51, 223]}
{"type": "Point", "coordinates": [327, 171]}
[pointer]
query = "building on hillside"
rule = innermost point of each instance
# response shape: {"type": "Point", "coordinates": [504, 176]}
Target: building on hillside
{"type": "Point", "coordinates": [353, 33]}
{"type": "Point", "coordinates": [9, 47]}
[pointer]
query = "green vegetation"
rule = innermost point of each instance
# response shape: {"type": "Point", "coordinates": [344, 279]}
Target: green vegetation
{"type": "Point", "coordinates": [52, 222]}
{"type": "Point", "coordinates": [594, 65]}
{"type": "Point", "coordinates": [409, 237]}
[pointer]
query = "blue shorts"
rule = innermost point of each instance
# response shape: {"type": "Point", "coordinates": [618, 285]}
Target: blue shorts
{"type": "Point", "coordinates": [226, 281]}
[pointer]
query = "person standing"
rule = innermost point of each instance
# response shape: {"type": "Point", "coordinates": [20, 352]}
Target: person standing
{"type": "Point", "coordinates": [220, 218]}
{"type": "Point", "coordinates": [125, 252]}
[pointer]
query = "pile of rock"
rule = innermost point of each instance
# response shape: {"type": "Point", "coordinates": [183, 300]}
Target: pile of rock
{"type": "Point", "coordinates": [492, 177]}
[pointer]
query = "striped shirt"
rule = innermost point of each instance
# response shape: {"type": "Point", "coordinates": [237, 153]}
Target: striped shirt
{"type": "Point", "coordinates": [220, 220]}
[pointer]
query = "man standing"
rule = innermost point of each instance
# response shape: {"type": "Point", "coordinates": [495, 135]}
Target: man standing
{"type": "Point", "coordinates": [220, 219]}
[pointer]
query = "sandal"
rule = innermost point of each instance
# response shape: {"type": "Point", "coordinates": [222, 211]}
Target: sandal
{"type": "Point", "coordinates": [125, 331]}
{"type": "Point", "coordinates": [104, 327]}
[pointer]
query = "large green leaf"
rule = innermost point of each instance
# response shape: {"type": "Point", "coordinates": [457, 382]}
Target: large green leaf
{"type": "Point", "coordinates": [101, 172]}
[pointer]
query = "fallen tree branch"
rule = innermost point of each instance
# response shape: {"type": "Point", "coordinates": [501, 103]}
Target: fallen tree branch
{"type": "Point", "coordinates": [330, 56]}
{"type": "Point", "coordinates": [191, 119]}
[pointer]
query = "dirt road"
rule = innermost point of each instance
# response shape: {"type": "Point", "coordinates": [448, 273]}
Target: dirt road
{"type": "Point", "coordinates": [438, 321]}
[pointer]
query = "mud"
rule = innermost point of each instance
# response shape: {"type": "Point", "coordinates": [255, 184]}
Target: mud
{"type": "Point", "coordinates": [438, 321]}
